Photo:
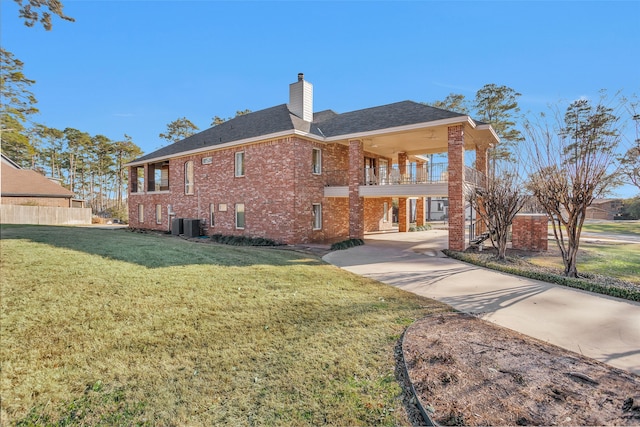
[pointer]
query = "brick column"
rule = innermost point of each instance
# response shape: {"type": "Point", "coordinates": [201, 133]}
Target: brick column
{"type": "Point", "coordinates": [456, 188]}
{"type": "Point", "coordinates": [403, 215]}
{"type": "Point", "coordinates": [420, 212]}
{"type": "Point", "coordinates": [481, 166]}
{"type": "Point", "coordinates": [402, 165]}
{"type": "Point", "coordinates": [356, 203]}
{"type": "Point", "coordinates": [530, 232]}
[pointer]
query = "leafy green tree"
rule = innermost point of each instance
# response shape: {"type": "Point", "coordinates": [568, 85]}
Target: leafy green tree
{"type": "Point", "coordinates": [33, 11]}
{"type": "Point", "coordinates": [123, 152]}
{"type": "Point", "coordinates": [498, 106]}
{"type": "Point", "coordinates": [572, 163]}
{"type": "Point", "coordinates": [217, 120]}
{"type": "Point", "coordinates": [16, 106]}
{"type": "Point", "coordinates": [179, 129]}
{"type": "Point", "coordinates": [453, 102]}
{"type": "Point", "coordinates": [53, 149]}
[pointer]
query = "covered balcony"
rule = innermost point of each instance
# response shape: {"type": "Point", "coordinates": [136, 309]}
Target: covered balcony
{"type": "Point", "coordinates": [413, 180]}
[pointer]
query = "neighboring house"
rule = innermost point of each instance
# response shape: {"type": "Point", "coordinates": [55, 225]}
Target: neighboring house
{"type": "Point", "coordinates": [604, 209]}
{"type": "Point", "coordinates": [295, 176]}
{"type": "Point", "coordinates": [27, 187]}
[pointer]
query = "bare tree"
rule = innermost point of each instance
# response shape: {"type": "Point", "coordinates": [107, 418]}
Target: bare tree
{"type": "Point", "coordinates": [572, 164]}
{"type": "Point", "coordinates": [498, 202]}
{"type": "Point", "coordinates": [630, 160]}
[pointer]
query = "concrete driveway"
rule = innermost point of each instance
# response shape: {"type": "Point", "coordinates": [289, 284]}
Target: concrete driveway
{"type": "Point", "coordinates": [600, 327]}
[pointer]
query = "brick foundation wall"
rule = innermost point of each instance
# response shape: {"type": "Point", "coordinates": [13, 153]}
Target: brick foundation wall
{"type": "Point", "coordinates": [529, 232]}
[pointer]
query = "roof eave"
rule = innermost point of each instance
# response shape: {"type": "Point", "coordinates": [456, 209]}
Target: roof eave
{"type": "Point", "coordinates": [406, 128]}
{"type": "Point", "coordinates": [227, 145]}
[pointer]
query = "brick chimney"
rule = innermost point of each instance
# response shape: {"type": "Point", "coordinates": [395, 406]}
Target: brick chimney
{"type": "Point", "coordinates": [301, 98]}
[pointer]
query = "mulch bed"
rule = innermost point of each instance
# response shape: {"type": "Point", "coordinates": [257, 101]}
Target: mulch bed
{"type": "Point", "coordinates": [467, 371]}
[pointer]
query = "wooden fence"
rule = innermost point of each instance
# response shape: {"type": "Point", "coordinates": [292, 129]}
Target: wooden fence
{"type": "Point", "coordinates": [44, 215]}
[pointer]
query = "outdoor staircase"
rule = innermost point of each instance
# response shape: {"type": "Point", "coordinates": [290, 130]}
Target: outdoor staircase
{"type": "Point", "coordinates": [481, 238]}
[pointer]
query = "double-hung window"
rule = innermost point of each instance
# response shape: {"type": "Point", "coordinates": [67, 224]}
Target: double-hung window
{"type": "Point", "coordinates": [317, 161]}
{"type": "Point", "coordinates": [240, 163]}
{"type": "Point", "coordinates": [240, 215]}
{"type": "Point", "coordinates": [317, 216]}
{"type": "Point", "coordinates": [188, 177]}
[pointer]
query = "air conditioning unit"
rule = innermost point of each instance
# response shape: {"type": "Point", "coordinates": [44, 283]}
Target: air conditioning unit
{"type": "Point", "coordinates": [177, 226]}
{"type": "Point", "coordinates": [191, 227]}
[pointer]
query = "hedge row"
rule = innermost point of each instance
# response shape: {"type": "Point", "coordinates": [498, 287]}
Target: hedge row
{"type": "Point", "coordinates": [425, 227]}
{"type": "Point", "coordinates": [585, 285]}
{"type": "Point", "coordinates": [346, 244]}
{"type": "Point", "coordinates": [243, 240]}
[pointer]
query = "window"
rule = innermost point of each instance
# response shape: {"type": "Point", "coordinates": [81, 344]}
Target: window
{"type": "Point", "coordinates": [140, 213]}
{"type": "Point", "coordinates": [317, 216]}
{"type": "Point", "coordinates": [139, 180]}
{"type": "Point", "coordinates": [212, 208]}
{"type": "Point", "coordinates": [385, 212]}
{"type": "Point", "coordinates": [239, 215]}
{"type": "Point", "coordinates": [317, 161]}
{"type": "Point", "coordinates": [188, 177]}
{"type": "Point", "coordinates": [158, 214]}
{"type": "Point", "coordinates": [240, 163]}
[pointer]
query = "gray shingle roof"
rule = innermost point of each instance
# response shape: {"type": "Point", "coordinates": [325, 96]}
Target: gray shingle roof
{"type": "Point", "coordinates": [325, 124]}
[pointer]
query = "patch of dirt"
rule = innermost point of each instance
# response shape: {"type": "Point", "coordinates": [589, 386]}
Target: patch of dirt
{"type": "Point", "coordinates": [467, 371]}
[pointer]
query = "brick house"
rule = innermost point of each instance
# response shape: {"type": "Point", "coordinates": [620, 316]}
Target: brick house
{"type": "Point", "coordinates": [295, 176]}
{"type": "Point", "coordinates": [28, 187]}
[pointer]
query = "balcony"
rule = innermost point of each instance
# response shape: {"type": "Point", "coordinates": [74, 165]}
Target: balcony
{"type": "Point", "coordinates": [411, 181]}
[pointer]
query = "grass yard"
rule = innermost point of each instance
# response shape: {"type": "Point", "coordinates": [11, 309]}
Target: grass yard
{"type": "Point", "coordinates": [613, 227]}
{"type": "Point", "coordinates": [102, 327]}
{"type": "Point", "coordinates": [619, 260]}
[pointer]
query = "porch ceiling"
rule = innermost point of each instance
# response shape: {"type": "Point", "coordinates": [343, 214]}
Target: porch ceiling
{"type": "Point", "coordinates": [423, 140]}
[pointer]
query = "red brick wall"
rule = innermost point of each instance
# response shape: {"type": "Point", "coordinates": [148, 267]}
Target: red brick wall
{"type": "Point", "coordinates": [456, 188]}
{"type": "Point", "coordinates": [529, 232]}
{"type": "Point", "coordinates": [278, 191]}
{"type": "Point", "coordinates": [374, 214]}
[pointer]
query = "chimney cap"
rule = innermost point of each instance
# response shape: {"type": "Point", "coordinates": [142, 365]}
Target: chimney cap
{"type": "Point", "coordinates": [300, 77]}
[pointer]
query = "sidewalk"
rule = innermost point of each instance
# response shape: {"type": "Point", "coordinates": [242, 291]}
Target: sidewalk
{"type": "Point", "coordinates": [600, 327]}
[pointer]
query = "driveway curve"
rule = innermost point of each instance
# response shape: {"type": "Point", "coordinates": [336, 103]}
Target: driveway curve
{"type": "Point", "coordinates": [597, 326]}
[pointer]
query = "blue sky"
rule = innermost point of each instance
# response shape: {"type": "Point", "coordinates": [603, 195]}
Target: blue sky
{"type": "Point", "coordinates": [131, 67]}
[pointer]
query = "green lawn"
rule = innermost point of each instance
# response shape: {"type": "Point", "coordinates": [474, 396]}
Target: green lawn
{"type": "Point", "coordinates": [619, 260]}
{"type": "Point", "coordinates": [103, 327]}
{"type": "Point", "coordinates": [613, 227]}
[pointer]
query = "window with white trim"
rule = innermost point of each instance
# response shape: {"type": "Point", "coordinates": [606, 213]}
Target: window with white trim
{"type": "Point", "coordinates": [317, 161]}
{"type": "Point", "coordinates": [317, 216]}
{"type": "Point", "coordinates": [188, 177]}
{"type": "Point", "coordinates": [158, 214]}
{"type": "Point", "coordinates": [240, 215]}
{"type": "Point", "coordinates": [239, 163]}
{"type": "Point", "coordinates": [140, 213]}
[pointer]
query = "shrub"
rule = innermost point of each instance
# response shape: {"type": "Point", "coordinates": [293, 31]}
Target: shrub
{"type": "Point", "coordinates": [243, 240]}
{"type": "Point", "coordinates": [346, 244]}
{"type": "Point", "coordinates": [420, 227]}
